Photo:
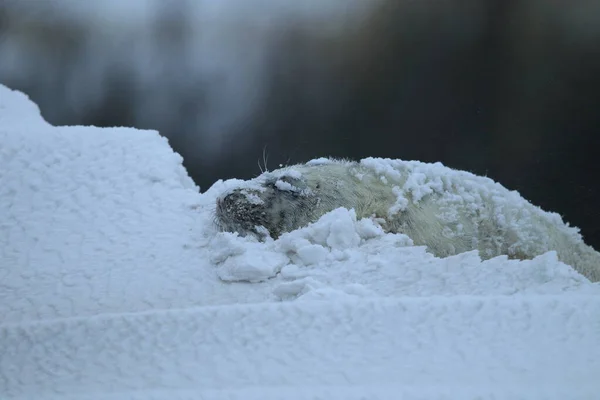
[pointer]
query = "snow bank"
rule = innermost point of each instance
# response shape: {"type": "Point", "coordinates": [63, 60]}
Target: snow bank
{"type": "Point", "coordinates": [88, 217]}
{"type": "Point", "coordinates": [114, 283]}
{"type": "Point", "coordinates": [446, 347]}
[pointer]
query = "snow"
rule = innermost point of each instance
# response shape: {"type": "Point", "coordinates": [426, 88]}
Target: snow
{"type": "Point", "coordinates": [116, 284]}
{"type": "Point", "coordinates": [318, 348]}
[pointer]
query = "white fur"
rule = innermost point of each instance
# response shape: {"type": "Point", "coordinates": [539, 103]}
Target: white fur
{"type": "Point", "coordinates": [447, 210]}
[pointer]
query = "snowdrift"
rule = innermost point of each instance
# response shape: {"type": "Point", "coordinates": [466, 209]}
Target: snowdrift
{"type": "Point", "coordinates": [115, 284]}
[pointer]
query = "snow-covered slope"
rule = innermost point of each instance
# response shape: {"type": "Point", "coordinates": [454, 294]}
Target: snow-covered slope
{"type": "Point", "coordinates": [435, 347]}
{"type": "Point", "coordinates": [115, 284]}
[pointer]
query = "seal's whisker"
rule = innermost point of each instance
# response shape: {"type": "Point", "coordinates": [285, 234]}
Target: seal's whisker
{"type": "Point", "coordinates": [265, 158]}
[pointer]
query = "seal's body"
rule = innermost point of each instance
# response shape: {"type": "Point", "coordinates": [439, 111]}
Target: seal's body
{"type": "Point", "coordinates": [446, 210]}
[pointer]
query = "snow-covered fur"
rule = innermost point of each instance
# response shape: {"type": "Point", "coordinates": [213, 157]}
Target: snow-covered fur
{"type": "Point", "coordinates": [447, 210]}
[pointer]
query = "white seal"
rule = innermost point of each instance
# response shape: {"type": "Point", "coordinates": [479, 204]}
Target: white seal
{"type": "Point", "coordinates": [448, 211]}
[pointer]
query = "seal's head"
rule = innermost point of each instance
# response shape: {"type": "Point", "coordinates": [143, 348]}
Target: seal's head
{"type": "Point", "coordinates": [290, 198]}
{"type": "Point", "coordinates": [274, 203]}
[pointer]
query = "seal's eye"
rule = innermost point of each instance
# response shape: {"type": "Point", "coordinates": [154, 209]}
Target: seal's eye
{"type": "Point", "coordinates": [288, 179]}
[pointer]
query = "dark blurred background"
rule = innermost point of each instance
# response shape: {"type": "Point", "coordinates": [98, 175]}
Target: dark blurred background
{"type": "Point", "coordinates": [504, 88]}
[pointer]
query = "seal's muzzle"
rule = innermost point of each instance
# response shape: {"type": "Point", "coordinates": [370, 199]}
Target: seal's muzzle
{"type": "Point", "coordinates": [241, 211]}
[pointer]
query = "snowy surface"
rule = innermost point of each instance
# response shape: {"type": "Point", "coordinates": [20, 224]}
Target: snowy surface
{"type": "Point", "coordinates": [115, 284]}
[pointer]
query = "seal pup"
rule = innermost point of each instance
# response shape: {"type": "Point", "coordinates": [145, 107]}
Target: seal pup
{"type": "Point", "coordinates": [449, 211]}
